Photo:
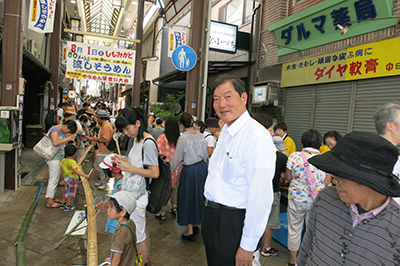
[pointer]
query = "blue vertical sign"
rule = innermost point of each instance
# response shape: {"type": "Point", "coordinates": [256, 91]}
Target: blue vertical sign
{"type": "Point", "coordinates": [184, 58]}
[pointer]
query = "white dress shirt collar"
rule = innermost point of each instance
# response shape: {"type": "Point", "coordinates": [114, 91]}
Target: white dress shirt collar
{"type": "Point", "coordinates": [238, 124]}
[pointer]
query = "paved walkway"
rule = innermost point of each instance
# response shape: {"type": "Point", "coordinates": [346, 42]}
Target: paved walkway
{"type": "Point", "coordinates": [49, 225]}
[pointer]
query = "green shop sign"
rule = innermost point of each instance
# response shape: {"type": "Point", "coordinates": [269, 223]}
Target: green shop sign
{"type": "Point", "coordinates": [317, 25]}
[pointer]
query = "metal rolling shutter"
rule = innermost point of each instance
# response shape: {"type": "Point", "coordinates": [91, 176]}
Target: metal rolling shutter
{"type": "Point", "coordinates": [372, 93]}
{"type": "Point", "coordinates": [332, 107]}
{"type": "Point", "coordinates": [298, 112]}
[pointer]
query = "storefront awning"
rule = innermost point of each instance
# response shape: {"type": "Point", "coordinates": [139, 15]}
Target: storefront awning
{"type": "Point", "coordinates": [30, 61]}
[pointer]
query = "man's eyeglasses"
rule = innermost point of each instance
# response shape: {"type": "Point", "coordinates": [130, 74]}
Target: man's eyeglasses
{"type": "Point", "coordinates": [337, 180]}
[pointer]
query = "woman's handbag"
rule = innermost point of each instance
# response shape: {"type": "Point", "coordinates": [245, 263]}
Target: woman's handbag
{"type": "Point", "coordinates": [45, 149]}
{"type": "Point", "coordinates": [310, 180]}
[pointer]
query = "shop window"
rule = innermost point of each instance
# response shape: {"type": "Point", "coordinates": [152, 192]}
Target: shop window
{"type": "Point", "coordinates": [237, 12]}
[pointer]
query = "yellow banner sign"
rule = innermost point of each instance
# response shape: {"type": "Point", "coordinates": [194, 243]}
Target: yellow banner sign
{"type": "Point", "coordinates": [378, 59]}
{"type": "Point", "coordinates": [317, 69]}
{"type": "Point", "coordinates": [370, 60]}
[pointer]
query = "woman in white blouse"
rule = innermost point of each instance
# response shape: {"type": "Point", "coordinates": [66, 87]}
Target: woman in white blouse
{"type": "Point", "coordinates": [191, 151]}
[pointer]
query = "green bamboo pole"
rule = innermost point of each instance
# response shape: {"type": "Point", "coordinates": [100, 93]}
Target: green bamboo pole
{"type": "Point", "coordinates": [72, 230]}
{"type": "Point", "coordinates": [19, 242]}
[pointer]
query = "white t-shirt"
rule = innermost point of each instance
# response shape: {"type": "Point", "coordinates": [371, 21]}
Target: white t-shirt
{"type": "Point", "coordinates": [60, 113]}
{"type": "Point", "coordinates": [78, 126]}
{"type": "Point", "coordinates": [209, 137]}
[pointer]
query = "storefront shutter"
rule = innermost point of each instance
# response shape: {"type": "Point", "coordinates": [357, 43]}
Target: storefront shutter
{"type": "Point", "coordinates": [298, 111]}
{"type": "Point", "coordinates": [371, 94]}
{"type": "Point", "coordinates": [332, 107]}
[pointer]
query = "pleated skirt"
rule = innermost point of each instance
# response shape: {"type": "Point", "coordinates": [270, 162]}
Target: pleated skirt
{"type": "Point", "coordinates": [191, 194]}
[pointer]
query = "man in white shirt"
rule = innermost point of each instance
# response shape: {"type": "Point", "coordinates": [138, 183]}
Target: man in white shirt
{"type": "Point", "coordinates": [238, 188]}
{"type": "Point", "coordinates": [387, 124]}
{"type": "Point", "coordinates": [211, 127]}
{"type": "Point", "coordinates": [60, 112]}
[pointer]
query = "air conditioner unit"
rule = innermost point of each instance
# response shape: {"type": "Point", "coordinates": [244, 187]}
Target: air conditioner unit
{"type": "Point", "coordinates": [265, 94]}
{"type": "Point", "coordinates": [32, 47]}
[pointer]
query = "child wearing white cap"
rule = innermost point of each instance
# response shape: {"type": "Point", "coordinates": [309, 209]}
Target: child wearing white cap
{"type": "Point", "coordinates": [107, 165]}
{"type": "Point", "coordinates": [123, 247]}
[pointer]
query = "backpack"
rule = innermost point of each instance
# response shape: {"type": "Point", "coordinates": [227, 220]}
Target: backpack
{"type": "Point", "coordinates": [51, 119]}
{"type": "Point", "coordinates": [159, 189]}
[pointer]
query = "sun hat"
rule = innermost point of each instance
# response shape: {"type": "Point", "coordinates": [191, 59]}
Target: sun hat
{"type": "Point", "coordinates": [212, 122]}
{"type": "Point", "coordinates": [365, 158]}
{"type": "Point", "coordinates": [125, 199]}
{"type": "Point", "coordinates": [107, 164]}
{"type": "Point", "coordinates": [279, 143]}
{"type": "Point", "coordinates": [70, 110]}
{"type": "Point", "coordinates": [90, 111]}
{"type": "Point", "coordinates": [103, 114]}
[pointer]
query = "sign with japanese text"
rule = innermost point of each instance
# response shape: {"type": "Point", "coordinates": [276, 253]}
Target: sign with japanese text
{"type": "Point", "coordinates": [378, 59]}
{"type": "Point", "coordinates": [360, 62]}
{"type": "Point", "coordinates": [81, 229]}
{"type": "Point", "coordinates": [317, 25]}
{"type": "Point", "coordinates": [177, 37]}
{"type": "Point", "coordinates": [223, 37]}
{"type": "Point", "coordinates": [41, 15]}
{"type": "Point", "coordinates": [317, 69]}
{"type": "Point", "coordinates": [101, 63]}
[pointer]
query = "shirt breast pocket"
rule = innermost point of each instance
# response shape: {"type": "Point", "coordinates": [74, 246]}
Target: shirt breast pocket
{"type": "Point", "coordinates": [230, 170]}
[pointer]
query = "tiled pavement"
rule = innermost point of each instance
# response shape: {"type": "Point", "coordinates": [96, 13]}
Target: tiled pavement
{"type": "Point", "coordinates": [48, 226]}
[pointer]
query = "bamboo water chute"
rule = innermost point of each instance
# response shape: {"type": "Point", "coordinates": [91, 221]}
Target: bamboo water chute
{"type": "Point", "coordinates": [92, 258]}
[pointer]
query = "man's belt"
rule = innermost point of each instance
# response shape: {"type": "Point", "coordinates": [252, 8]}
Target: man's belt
{"type": "Point", "coordinates": [217, 206]}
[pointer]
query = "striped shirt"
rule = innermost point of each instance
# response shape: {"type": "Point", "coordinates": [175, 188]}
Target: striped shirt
{"type": "Point", "coordinates": [330, 238]}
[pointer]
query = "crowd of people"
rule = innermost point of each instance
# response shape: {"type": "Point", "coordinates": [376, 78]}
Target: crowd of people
{"type": "Point", "coordinates": [228, 175]}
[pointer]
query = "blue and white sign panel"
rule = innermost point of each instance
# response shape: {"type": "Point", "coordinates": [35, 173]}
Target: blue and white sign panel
{"type": "Point", "coordinates": [41, 15]}
{"type": "Point", "coordinates": [184, 58]}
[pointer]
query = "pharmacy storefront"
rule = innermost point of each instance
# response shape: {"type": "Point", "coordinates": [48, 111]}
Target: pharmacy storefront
{"type": "Point", "coordinates": [342, 89]}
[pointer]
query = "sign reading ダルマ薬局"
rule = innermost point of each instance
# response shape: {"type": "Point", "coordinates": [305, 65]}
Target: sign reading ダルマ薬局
{"type": "Point", "coordinates": [93, 62]}
{"type": "Point", "coordinates": [41, 15]}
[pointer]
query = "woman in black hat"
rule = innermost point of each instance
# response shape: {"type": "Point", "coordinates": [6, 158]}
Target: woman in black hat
{"type": "Point", "coordinates": [356, 222]}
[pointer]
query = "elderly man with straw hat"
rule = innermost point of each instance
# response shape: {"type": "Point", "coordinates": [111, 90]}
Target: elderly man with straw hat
{"type": "Point", "coordinates": [356, 222]}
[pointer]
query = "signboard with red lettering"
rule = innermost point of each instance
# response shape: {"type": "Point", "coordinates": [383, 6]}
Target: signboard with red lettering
{"type": "Point", "coordinates": [372, 60]}
{"type": "Point", "coordinates": [41, 15]}
{"type": "Point", "coordinates": [177, 37]}
{"type": "Point", "coordinates": [92, 62]}
{"type": "Point", "coordinates": [359, 62]}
